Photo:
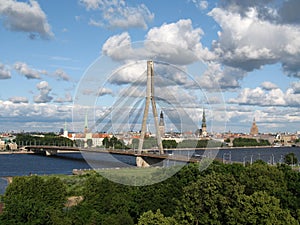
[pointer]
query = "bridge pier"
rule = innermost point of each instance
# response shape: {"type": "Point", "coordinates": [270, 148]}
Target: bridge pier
{"type": "Point", "coordinates": [50, 152]}
{"type": "Point", "coordinates": [140, 162]}
{"type": "Point", "coordinates": [144, 161]}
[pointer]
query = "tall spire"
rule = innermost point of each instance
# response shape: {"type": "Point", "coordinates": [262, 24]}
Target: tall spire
{"type": "Point", "coordinates": [161, 124]}
{"type": "Point", "coordinates": [161, 120]}
{"type": "Point", "coordinates": [86, 123]}
{"type": "Point", "coordinates": [203, 125]}
{"type": "Point", "coordinates": [203, 119]}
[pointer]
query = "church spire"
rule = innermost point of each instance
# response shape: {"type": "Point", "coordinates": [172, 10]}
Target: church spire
{"type": "Point", "coordinates": [161, 125]}
{"type": "Point", "coordinates": [203, 125]}
{"type": "Point", "coordinates": [254, 128]}
{"type": "Point", "coordinates": [161, 120]}
{"type": "Point", "coordinates": [203, 119]}
{"type": "Point", "coordinates": [86, 123]}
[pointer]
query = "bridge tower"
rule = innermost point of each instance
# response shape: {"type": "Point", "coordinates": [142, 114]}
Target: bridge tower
{"type": "Point", "coordinates": [150, 97]}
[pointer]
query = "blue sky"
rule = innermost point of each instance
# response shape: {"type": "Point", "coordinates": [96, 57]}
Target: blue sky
{"type": "Point", "coordinates": [250, 49]}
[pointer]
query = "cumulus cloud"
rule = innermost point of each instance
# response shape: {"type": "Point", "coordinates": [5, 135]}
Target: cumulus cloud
{"type": "Point", "coordinates": [121, 42]}
{"type": "Point", "coordinates": [118, 14]}
{"type": "Point", "coordinates": [61, 75]}
{"type": "Point", "coordinates": [176, 43]}
{"type": "Point", "coordinates": [67, 98]}
{"type": "Point", "coordinates": [249, 42]}
{"type": "Point", "coordinates": [271, 97]}
{"type": "Point", "coordinates": [267, 85]}
{"type": "Point", "coordinates": [296, 87]}
{"type": "Point", "coordinates": [25, 17]}
{"type": "Point", "coordinates": [25, 70]}
{"type": "Point", "coordinates": [18, 99]}
{"type": "Point", "coordinates": [43, 96]}
{"type": "Point", "coordinates": [4, 72]}
{"type": "Point", "coordinates": [216, 77]}
{"type": "Point", "coordinates": [105, 91]}
{"type": "Point", "coordinates": [200, 4]}
{"type": "Point", "coordinates": [33, 117]}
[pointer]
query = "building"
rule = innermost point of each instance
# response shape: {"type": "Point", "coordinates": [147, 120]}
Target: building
{"type": "Point", "coordinates": [254, 129]}
{"type": "Point", "coordinates": [161, 125]}
{"type": "Point", "coordinates": [203, 125]}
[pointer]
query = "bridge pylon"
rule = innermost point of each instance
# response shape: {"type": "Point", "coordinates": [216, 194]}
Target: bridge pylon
{"type": "Point", "coordinates": [150, 97]}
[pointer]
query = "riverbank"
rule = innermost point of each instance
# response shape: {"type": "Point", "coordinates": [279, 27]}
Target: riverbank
{"type": "Point", "coordinates": [226, 148]}
{"type": "Point", "coordinates": [15, 152]}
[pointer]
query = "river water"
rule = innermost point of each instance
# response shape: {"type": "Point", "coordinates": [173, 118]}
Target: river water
{"type": "Point", "coordinates": [25, 164]}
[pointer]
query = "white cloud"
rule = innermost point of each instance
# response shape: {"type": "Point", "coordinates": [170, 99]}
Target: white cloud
{"type": "Point", "coordinates": [176, 43]}
{"type": "Point", "coordinates": [267, 85]}
{"type": "Point", "coordinates": [44, 89]}
{"type": "Point", "coordinates": [217, 78]}
{"type": "Point", "coordinates": [4, 72]}
{"type": "Point", "coordinates": [268, 119]}
{"type": "Point", "coordinates": [118, 14]}
{"type": "Point", "coordinates": [62, 75]}
{"type": "Point", "coordinates": [25, 17]}
{"type": "Point", "coordinates": [67, 98]}
{"type": "Point", "coordinates": [180, 34]}
{"type": "Point", "coordinates": [296, 87]}
{"type": "Point", "coordinates": [200, 4]}
{"type": "Point", "coordinates": [105, 91]}
{"type": "Point", "coordinates": [116, 45]}
{"type": "Point", "coordinates": [18, 99]}
{"type": "Point", "coordinates": [267, 97]}
{"type": "Point", "coordinates": [33, 117]}
{"type": "Point", "coordinates": [249, 42]}
{"type": "Point", "coordinates": [25, 70]}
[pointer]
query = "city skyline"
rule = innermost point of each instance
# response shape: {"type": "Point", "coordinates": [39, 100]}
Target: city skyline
{"type": "Point", "coordinates": [250, 51]}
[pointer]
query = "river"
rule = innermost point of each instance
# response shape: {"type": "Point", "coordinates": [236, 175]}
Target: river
{"type": "Point", "coordinates": [25, 164]}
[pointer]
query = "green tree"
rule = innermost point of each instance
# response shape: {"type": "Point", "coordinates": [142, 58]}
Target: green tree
{"type": "Point", "coordinates": [89, 142]}
{"type": "Point", "coordinates": [259, 208]}
{"type": "Point", "coordinates": [262, 177]}
{"type": "Point", "coordinates": [206, 200]}
{"type": "Point", "coordinates": [150, 218]}
{"type": "Point", "coordinates": [290, 159]}
{"type": "Point", "coordinates": [31, 200]}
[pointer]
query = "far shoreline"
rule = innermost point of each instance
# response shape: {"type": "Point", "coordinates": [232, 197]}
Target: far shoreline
{"type": "Point", "coordinates": [168, 149]}
{"type": "Point", "coordinates": [14, 152]}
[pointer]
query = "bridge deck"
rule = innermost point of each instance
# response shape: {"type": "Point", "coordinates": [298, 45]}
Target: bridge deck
{"type": "Point", "coordinates": [174, 157]}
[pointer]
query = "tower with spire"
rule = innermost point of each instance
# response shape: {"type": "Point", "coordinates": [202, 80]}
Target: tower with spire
{"type": "Point", "coordinates": [254, 128]}
{"type": "Point", "coordinates": [203, 125]}
{"type": "Point", "coordinates": [161, 125]}
{"type": "Point", "coordinates": [86, 129]}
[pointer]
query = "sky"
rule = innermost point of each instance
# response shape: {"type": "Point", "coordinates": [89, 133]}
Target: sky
{"type": "Point", "coordinates": [62, 60]}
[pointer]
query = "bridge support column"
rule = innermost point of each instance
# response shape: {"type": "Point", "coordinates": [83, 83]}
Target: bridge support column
{"type": "Point", "coordinates": [140, 162]}
{"type": "Point", "coordinates": [51, 152]}
{"type": "Point", "coordinates": [146, 161]}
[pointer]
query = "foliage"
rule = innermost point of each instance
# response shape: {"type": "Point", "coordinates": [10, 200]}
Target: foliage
{"type": "Point", "coordinates": [150, 218]}
{"type": "Point", "coordinates": [290, 159]}
{"type": "Point", "coordinates": [31, 200]}
{"type": "Point", "coordinates": [242, 142]}
{"type": "Point", "coordinates": [221, 194]}
{"type": "Point", "coordinates": [169, 144]}
{"type": "Point", "coordinates": [45, 139]}
{"type": "Point", "coordinates": [259, 208]}
{"type": "Point", "coordinates": [206, 200]}
{"type": "Point", "coordinates": [113, 143]}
